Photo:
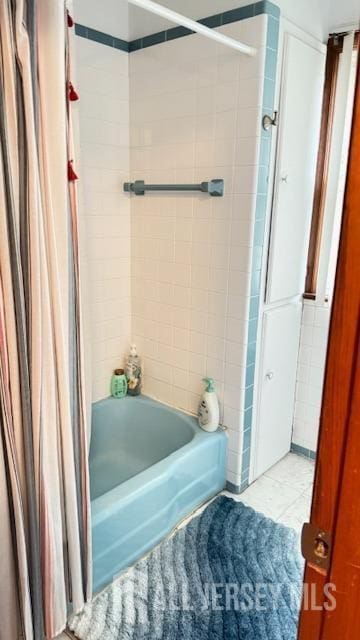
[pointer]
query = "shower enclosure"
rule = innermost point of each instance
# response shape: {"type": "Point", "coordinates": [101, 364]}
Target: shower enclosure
{"type": "Point", "coordinates": [174, 164]}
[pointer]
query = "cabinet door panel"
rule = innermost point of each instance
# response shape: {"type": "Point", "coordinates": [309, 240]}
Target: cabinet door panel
{"type": "Point", "coordinates": [299, 126]}
{"type": "Point", "coordinates": [276, 384]}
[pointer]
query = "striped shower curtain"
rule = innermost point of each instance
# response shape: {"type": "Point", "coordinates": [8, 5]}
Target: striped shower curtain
{"type": "Point", "coordinates": [45, 546]}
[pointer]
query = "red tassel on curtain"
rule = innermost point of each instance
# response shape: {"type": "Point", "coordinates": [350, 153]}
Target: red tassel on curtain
{"type": "Point", "coordinates": [70, 21]}
{"type": "Point", "coordinates": [73, 96]}
{"type": "Point", "coordinates": [71, 173]}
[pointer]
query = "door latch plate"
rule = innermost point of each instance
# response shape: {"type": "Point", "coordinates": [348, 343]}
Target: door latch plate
{"type": "Point", "coordinates": [316, 546]}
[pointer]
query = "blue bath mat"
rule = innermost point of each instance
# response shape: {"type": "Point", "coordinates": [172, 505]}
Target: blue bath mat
{"type": "Point", "coordinates": [230, 574]}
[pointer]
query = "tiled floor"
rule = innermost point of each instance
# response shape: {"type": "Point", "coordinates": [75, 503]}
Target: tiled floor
{"type": "Point", "coordinates": [284, 492]}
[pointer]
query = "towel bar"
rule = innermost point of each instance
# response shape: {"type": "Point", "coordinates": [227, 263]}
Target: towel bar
{"type": "Point", "coordinates": [214, 187]}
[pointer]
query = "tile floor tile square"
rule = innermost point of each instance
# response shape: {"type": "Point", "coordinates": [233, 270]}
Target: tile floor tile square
{"type": "Point", "coordinates": [269, 496]}
{"type": "Point", "coordinates": [284, 492]}
{"type": "Point", "coordinates": [294, 471]}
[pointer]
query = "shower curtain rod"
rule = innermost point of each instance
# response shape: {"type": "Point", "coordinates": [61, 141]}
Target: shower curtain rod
{"type": "Point", "coordinates": [181, 20]}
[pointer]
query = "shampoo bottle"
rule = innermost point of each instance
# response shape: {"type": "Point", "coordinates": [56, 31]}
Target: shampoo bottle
{"type": "Point", "coordinates": [133, 372]}
{"type": "Point", "coordinates": [209, 414]}
{"type": "Point", "coordinates": [118, 384]}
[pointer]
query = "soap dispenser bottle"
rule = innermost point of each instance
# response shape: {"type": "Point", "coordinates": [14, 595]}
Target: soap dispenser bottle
{"type": "Point", "coordinates": [133, 372]}
{"type": "Point", "coordinates": [209, 413]}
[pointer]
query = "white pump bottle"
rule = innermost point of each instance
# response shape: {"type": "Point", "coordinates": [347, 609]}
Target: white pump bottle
{"type": "Point", "coordinates": [209, 413]}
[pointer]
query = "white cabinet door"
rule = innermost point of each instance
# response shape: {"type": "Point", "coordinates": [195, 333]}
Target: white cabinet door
{"type": "Point", "coordinates": [277, 381]}
{"type": "Point", "coordinates": [299, 126]}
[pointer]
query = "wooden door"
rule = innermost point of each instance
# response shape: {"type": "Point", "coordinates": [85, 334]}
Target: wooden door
{"type": "Point", "coordinates": [336, 500]}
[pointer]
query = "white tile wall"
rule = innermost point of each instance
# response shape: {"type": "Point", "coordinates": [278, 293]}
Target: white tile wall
{"type": "Point", "coordinates": [195, 111]}
{"type": "Point", "coordinates": [310, 373]}
{"type": "Point", "coordinates": [195, 115]}
{"type": "Point", "coordinates": [103, 84]}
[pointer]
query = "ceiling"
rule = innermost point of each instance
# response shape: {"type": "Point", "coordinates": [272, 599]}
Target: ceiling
{"type": "Point", "coordinates": [120, 19]}
{"type": "Point", "coordinates": [142, 22]}
{"type": "Point", "coordinates": [123, 20]}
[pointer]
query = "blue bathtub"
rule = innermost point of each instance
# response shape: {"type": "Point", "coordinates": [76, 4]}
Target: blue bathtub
{"type": "Point", "coordinates": [150, 466]}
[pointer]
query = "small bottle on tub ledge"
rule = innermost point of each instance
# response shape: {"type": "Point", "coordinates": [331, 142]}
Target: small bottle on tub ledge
{"type": "Point", "coordinates": [119, 385]}
{"type": "Point", "coordinates": [133, 372]}
{"type": "Point", "coordinates": [209, 413]}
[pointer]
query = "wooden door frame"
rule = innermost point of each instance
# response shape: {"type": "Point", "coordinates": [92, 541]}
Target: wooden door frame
{"type": "Point", "coordinates": [336, 499]}
{"type": "Point", "coordinates": [334, 51]}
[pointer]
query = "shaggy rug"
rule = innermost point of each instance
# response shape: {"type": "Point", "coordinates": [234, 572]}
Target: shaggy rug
{"type": "Point", "coordinates": [230, 574]}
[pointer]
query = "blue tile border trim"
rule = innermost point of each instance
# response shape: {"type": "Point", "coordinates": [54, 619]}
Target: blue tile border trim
{"type": "Point", "coordinates": [302, 451]}
{"type": "Point", "coordinates": [218, 20]}
{"type": "Point", "coordinates": [236, 488]}
{"type": "Point", "coordinates": [101, 38]}
{"type": "Point", "coordinates": [272, 39]}
{"type": "Point", "coordinates": [233, 488]}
